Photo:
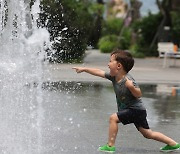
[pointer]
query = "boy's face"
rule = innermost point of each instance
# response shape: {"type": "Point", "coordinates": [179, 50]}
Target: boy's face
{"type": "Point", "coordinates": [114, 66]}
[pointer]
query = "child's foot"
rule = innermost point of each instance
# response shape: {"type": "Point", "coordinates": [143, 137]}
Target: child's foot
{"type": "Point", "coordinates": [169, 148]}
{"type": "Point", "coordinates": [107, 148]}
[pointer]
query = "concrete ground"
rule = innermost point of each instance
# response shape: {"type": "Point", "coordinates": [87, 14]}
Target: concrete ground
{"type": "Point", "coordinates": [84, 124]}
{"type": "Point", "coordinates": [146, 70]}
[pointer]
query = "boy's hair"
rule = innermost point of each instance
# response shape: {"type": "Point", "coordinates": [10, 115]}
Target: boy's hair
{"type": "Point", "coordinates": [125, 58]}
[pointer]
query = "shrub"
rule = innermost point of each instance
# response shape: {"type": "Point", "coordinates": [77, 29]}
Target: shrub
{"type": "Point", "coordinates": [108, 43]}
{"type": "Point", "coordinates": [146, 30]}
{"type": "Point", "coordinates": [125, 40]}
{"type": "Point", "coordinates": [134, 49]}
{"type": "Point", "coordinates": [112, 26]}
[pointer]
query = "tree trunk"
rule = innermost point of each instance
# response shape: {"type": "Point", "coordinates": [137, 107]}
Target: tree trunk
{"type": "Point", "coordinates": [135, 9]}
{"type": "Point", "coordinates": [100, 1]}
{"type": "Point", "coordinates": [165, 7]}
{"type": "Point", "coordinates": [176, 5]}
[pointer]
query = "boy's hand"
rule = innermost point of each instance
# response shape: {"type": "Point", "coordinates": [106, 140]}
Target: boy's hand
{"type": "Point", "coordinates": [78, 69]}
{"type": "Point", "coordinates": [92, 71]}
{"type": "Point", "coordinates": [135, 91]}
{"type": "Point", "coordinates": [129, 83]}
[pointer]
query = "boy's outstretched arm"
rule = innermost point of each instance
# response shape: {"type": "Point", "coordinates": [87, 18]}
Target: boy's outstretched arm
{"type": "Point", "coordinates": [92, 71]}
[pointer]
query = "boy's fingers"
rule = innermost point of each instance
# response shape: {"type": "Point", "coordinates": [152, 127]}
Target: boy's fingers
{"type": "Point", "coordinates": [126, 79]}
{"type": "Point", "coordinates": [76, 69]}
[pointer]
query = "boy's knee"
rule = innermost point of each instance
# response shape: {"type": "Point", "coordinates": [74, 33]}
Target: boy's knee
{"type": "Point", "coordinates": [147, 133]}
{"type": "Point", "coordinates": [113, 118]}
{"type": "Point", "coordinates": [147, 136]}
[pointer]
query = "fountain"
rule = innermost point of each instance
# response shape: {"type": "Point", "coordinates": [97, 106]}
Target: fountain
{"type": "Point", "coordinates": [38, 117]}
{"type": "Point", "coordinates": [22, 46]}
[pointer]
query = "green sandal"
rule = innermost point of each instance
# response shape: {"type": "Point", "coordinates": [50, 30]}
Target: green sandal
{"type": "Point", "coordinates": [107, 148]}
{"type": "Point", "coordinates": [169, 148]}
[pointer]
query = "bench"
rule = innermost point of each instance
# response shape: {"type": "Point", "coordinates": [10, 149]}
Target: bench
{"type": "Point", "coordinates": [168, 50]}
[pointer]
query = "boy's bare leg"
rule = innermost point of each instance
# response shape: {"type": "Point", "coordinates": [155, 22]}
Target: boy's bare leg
{"type": "Point", "coordinates": [113, 129]}
{"type": "Point", "coordinates": [148, 133]}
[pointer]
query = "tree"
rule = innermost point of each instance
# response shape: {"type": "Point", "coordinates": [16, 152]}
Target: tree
{"type": "Point", "coordinates": [166, 8]}
{"type": "Point", "coordinates": [69, 24]}
{"type": "Point", "coordinates": [145, 30]}
{"type": "Point", "coordinates": [135, 9]}
{"type": "Point", "coordinates": [97, 10]}
{"type": "Point", "coordinates": [100, 1]}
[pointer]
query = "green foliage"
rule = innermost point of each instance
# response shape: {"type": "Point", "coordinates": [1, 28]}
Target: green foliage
{"type": "Point", "coordinates": [125, 40]}
{"type": "Point", "coordinates": [111, 31]}
{"type": "Point", "coordinates": [112, 26]}
{"type": "Point", "coordinates": [176, 26]}
{"type": "Point", "coordinates": [96, 10]}
{"type": "Point", "coordinates": [69, 24]}
{"type": "Point", "coordinates": [135, 51]}
{"type": "Point", "coordinates": [108, 43]}
{"type": "Point", "coordinates": [146, 29]}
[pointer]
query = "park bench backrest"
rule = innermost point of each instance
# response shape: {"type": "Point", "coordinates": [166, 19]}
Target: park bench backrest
{"type": "Point", "coordinates": [165, 47]}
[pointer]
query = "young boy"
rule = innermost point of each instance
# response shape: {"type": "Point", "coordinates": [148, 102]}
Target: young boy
{"type": "Point", "coordinates": [130, 107]}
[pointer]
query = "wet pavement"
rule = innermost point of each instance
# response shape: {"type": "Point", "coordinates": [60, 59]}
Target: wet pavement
{"type": "Point", "coordinates": [70, 112]}
{"type": "Point", "coordinates": [76, 120]}
{"type": "Point", "coordinates": [84, 113]}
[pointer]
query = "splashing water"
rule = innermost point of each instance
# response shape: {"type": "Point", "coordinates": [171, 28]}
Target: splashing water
{"type": "Point", "coordinates": [22, 46]}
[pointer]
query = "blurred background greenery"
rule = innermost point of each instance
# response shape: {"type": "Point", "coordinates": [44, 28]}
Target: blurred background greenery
{"type": "Point", "coordinates": [75, 25]}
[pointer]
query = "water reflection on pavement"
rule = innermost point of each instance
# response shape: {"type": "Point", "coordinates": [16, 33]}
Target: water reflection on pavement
{"type": "Point", "coordinates": [77, 114]}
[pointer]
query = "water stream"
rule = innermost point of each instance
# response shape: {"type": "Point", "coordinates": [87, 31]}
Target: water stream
{"type": "Point", "coordinates": [22, 46]}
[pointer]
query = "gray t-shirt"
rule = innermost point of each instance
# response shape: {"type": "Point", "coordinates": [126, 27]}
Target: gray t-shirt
{"type": "Point", "coordinates": [124, 97]}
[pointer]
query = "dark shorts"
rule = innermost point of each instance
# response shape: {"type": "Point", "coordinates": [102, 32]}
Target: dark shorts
{"type": "Point", "coordinates": [138, 117]}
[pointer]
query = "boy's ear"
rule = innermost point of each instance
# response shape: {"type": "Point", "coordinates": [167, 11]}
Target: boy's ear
{"type": "Point", "coordinates": [119, 65]}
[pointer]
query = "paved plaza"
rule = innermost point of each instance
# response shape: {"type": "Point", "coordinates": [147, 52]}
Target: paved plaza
{"type": "Point", "coordinates": [93, 107]}
{"type": "Point", "coordinates": [146, 70]}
